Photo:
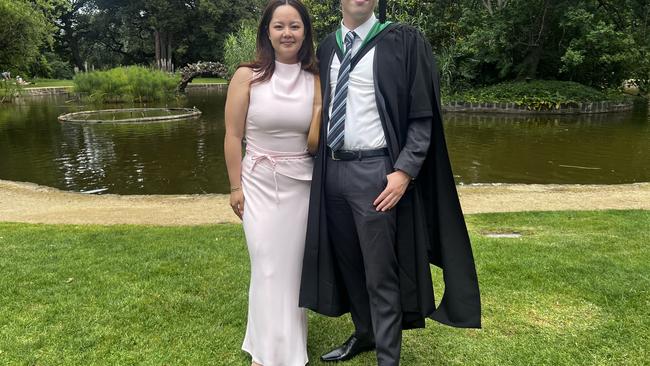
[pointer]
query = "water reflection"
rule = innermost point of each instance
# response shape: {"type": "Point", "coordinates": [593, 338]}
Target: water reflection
{"type": "Point", "coordinates": [86, 154]}
{"type": "Point", "coordinates": [187, 156]}
{"type": "Point", "coordinates": [599, 149]}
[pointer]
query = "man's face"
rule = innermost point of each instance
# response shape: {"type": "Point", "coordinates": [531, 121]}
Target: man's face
{"type": "Point", "coordinates": [358, 9]}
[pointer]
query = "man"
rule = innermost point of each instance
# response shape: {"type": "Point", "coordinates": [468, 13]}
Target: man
{"type": "Point", "coordinates": [383, 202]}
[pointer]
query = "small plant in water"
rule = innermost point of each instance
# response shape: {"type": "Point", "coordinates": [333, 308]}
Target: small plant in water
{"type": "Point", "coordinates": [126, 84]}
{"type": "Point", "coordinates": [9, 91]}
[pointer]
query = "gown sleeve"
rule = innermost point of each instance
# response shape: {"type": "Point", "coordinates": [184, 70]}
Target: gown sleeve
{"type": "Point", "coordinates": [419, 73]}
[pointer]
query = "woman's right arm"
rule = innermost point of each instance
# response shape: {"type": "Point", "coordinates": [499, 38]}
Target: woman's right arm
{"type": "Point", "coordinates": [235, 115]}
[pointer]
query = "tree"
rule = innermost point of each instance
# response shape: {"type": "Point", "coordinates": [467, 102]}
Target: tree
{"type": "Point", "coordinates": [23, 31]}
{"type": "Point", "coordinates": [73, 23]}
{"type": "Point", "coordinates": [326, 14]}
{"type": "Point", "coordinates": [601, 53]}
{"type": "Point", "coordinates": [595, 42]}
{"type": "Point", "coordinates": [149, 31]}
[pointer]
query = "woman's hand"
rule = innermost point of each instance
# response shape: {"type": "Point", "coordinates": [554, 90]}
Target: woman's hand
{"type": "Point", "coordinates": [237, 202]}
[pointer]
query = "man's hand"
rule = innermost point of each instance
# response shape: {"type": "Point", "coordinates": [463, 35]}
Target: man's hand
{"type": "Point", "coordinates": [397, 184]}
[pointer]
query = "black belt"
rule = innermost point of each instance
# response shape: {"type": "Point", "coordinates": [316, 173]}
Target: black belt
{"type": "Point", "coordinates": [355, 154]}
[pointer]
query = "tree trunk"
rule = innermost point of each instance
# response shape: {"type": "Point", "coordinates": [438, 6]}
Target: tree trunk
{"type": "Point", "coordinates": [76, 54]}
{"type": "Point", "coordinates": [163, 50]}
{"type": "Point", "coordinates": [73, 43]}
{"type": "Point", "coordinates": [156, 35]}
{"type": "Point", "coordinates": [528, 67]}
{"type": "Point", "coordinates": [169, 52]}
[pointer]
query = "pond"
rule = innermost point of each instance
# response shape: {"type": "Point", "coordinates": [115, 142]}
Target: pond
{"type": "Point", "coordinates": [185, 157]}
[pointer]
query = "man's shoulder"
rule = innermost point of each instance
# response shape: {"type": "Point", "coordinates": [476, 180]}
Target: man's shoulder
{"type": "Point", "coordinates": [409, 37]}
{"type": "Point", "coordinates": [327, 43]}
{"type": "Point", "coordinates": [406, 31]}
{"type": "Point", "coordinates": [331, 37]}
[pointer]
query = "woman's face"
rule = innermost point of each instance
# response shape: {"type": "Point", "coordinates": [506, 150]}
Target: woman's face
{"type": "Point", "coordinates": [287, 32]}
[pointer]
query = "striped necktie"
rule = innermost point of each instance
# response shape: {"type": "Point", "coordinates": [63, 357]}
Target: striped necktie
{"type": "Point", "coordinates": [337, 119]}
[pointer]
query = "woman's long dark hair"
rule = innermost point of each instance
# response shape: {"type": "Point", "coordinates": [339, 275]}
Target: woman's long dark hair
{"type": "Point", "coordinates": [264, 65]}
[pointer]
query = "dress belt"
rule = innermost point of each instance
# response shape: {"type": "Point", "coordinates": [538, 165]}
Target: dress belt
{"type": "Point", "coordinates": [347, 155]}
{"type": "Point", "coordinates": [258, 154]}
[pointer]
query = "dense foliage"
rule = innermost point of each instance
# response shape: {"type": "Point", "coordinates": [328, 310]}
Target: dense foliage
{"type": "Point", "coordinates": [126, 84]}
{"type": "Point", "coordinates": [23, 31]}
{"type": "Point", "coordinates": [49, 38]}
{"type": "Point", "coordinates": [595, 42]}
{"type": "Point", "coordinates": [240, 47]}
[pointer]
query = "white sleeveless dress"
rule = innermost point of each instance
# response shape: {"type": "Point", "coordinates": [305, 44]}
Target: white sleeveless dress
{"type": "Point", "coordinates": [276, 177]}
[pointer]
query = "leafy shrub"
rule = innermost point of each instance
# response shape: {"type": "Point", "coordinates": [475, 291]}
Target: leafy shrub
{"type": "Point", "coordinates": [538, 94]}
{"type": "Point", "coordinates": [61, 69]}
{"type": "Point", "coordinates": [126, 84]}
{"type": "Point", "coordinates": [603, 55]}
{"type": "Point", "coordinates": [240, 47]}
{"type": "Point", "coordinates": [40, 68]}
{"type": "Point", "coordinates": [9, 91]}
{"type": "Point", "coordinates": [49, 65]}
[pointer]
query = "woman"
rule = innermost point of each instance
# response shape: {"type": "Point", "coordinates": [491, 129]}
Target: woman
{"type": "Point", "coordinates": [270, 105]}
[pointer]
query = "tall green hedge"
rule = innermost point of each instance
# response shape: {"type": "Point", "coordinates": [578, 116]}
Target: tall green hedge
{"type": "Point", "coordinates": [240, 47]}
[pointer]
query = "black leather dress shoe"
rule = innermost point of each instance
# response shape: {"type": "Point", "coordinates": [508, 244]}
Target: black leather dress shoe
{"type": "Point", "coordinates": [352, 347]}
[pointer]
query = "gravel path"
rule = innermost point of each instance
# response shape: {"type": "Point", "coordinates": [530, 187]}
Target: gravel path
{"type": "Point", "coordinates": [31, 203]}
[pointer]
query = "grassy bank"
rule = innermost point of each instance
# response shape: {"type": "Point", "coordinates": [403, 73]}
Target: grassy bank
{"type": "Point", "coordinates": [573, 290]}
{"type": "Point", "coordinates": [42, 83]}
{"type": "Point", "coordinates": [537, 94]}
{"type": "Point", "coordinates": [209, 81]}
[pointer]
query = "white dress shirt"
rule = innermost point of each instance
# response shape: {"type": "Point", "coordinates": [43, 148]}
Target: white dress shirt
{"type": "Point", "coordinates": [363, 129]}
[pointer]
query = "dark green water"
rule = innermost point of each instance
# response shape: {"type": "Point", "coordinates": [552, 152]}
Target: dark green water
{"type": "Point", "coordinates": [187, 156]}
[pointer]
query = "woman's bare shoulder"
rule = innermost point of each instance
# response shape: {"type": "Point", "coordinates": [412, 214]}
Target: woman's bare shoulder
{"type": "Point", "coordinates": [243, 75]}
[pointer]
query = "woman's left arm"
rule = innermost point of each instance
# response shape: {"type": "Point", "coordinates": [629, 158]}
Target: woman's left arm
{"type": "Point", "coordinates": [235, 115]}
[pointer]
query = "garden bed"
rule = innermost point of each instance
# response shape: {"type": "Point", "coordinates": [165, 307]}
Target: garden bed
{"type": "Point", "coordinates": [540, 96]}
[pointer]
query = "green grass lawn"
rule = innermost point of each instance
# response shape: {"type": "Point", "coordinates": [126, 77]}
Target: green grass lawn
{"type": "Point", "coordinates": [209, 81]}
{"type": "Point", "coordinates": [42, 83]}
{"type": "Point", "coordinates": [574, 290]}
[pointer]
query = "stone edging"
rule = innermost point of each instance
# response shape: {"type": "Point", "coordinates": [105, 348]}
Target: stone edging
{"type": "Point", "coordinates": [579, 108]}
{"type": "Point", "coordinates": [47, 90]}
{"type": "Point", "coordinates": [587, 108]}
{"type": "Point", "coordinates": [223, 86]}
{"type": "Point", "coordinates": [57, 90]}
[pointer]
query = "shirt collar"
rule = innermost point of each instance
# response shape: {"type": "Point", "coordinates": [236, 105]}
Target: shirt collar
{"type": "Point", "coordinates": [362, 30]}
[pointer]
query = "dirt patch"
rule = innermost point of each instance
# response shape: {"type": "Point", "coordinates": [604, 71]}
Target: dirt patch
{"type": "Point", "coordinates": [31, 203]}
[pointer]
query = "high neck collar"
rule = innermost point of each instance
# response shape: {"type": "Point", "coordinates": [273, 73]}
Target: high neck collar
{"type": "Point", "coordinates": [285, 65]}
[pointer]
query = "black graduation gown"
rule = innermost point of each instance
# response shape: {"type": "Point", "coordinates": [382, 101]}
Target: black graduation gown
{"type": "Point", "coordinates": [430, 223]}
